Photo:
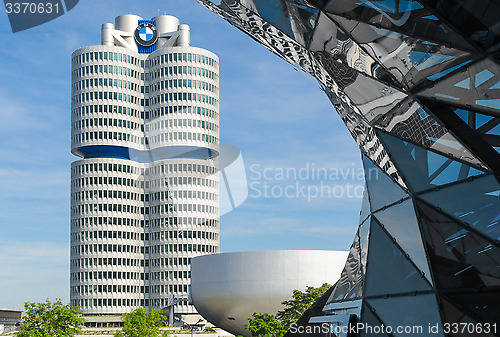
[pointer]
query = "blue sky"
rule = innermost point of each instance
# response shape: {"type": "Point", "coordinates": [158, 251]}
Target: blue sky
{"type": "Point", "coordinates": [278, 118]}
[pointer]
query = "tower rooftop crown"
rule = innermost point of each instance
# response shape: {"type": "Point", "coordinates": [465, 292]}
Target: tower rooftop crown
{"type": "Point", "coordinates": [145, 36]}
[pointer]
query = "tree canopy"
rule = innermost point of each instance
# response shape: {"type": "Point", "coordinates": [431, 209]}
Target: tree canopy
{"type": "Point", "coordinates": [267, 325]}
{"type": "Point", "coordinates": [141, 323]}
{"type": "Point", "coordinates": [50, 319]}
{"type": "Point", "coordinates": [300, 302]}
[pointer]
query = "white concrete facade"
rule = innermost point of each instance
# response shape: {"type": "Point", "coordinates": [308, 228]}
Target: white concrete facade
{"type": "Point", "coordinates": [145, 195]}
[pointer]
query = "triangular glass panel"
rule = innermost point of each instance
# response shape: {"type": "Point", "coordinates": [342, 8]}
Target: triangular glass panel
{"type": "Point", "coordinates": [459, 257]}
{"type": "Point", "coordinates": [350, 284]}
{"type": "Point", "coordinates": [410, 121]}
{"type": "Point", "coordinates": [405, 16]}
{"type": "Point", "coordinates": [482, 77]}
{"type": "Point", "coordinates": [451, 69]}
{"type": "Point", "coordinates": [416, 312]}
{"type": "Point", "coordinates": [304, 21]}
{"type": "Point", "coordinates": [295, 22]}
{"type": "Point", "coordinates": [373, 98]}
{"type": "Point", "coordinates": [430, 17]}
{"type": "Point", "coordinates": [365, 207]}
{"type": "Point", "coordinates": [463, 114]}
{"type": "Point", "coordinates": [382, 190]}
{"type": "Point", "coordinates": [483, 119]}
{"type": "Point", "coordinates": [475, 23]}
{"type": "Point", "coordinates": [484, 305]}
{"type": "Point", "coordinates": [370, 322]}
{"type": "Point", "coordinates": [386, 258]}
{"type": "Point", "coordinates": [401, 223]}
{"type": "Point", "coordinates": [462, 122]}
{"type": "Point", "coordinates": [496, 85]}
{"type": "Point", "coordinates": [473, 202]}
{"type": "Point", "coordinates": [341, 56]}
{"type": "Point", "coordinates": [411, 61]}
{"type": "Point", "coordinates": [457, 317]}
{"type": "Point", "coordinates": [464, 84]}
{"type": "Point", "coordinates": [484, 126]}
{"type": "Point", "coordinates": [364, 239]}
{"type": "Point", "coordinates": [494, 131]}
{"type": "Point", "coordinates": [477, 121]}
{"type": "Point", "coordinates": [390, 6]}
{"type": "Point", "coordinates": [424, 169]}
{"type": "Point", "coordinates": [341, 74]}
{"type": "Point", "coordinates": [479, 95]}
{"type": "Point", "coordinates": [423, 60]}
{"type": "Point", "coordinates": [365, 137]}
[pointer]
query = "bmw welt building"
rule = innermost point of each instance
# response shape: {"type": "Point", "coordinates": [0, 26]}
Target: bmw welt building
{"type": "Point", "coordinates": [144, 192]}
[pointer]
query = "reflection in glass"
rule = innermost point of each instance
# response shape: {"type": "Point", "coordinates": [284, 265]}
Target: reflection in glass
{"type": "Point", "coordinates": [385, 259]}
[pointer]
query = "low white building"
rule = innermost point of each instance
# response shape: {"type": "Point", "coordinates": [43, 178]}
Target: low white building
{"type": "Point", "coordinates": [10, 320]}
{"type": "Point", "coordinates": [228, 288]}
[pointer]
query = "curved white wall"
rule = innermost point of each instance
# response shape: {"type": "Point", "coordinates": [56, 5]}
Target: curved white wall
{"type": "Point", "coordinates": [235, 285]}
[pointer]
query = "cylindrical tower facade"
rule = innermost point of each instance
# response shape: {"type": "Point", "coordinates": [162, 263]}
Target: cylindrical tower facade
{"type": "Point", "coordinates": [145, 195]}
{"type": "Point", "coordinates": [107, 235]}
{"type": "Point", "coordinates": [184, 223]}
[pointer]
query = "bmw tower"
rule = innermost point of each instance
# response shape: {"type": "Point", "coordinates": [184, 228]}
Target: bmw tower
{"type": "Point", "coordinates": [145, 191]}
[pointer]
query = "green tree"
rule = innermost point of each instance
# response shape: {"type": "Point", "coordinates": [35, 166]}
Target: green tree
{"type": "Point", "coordinates": [50, 319]}
{"type": "Point", "coordinates": [265, 325]}
{"type": "Point", "coordinates": [141, 323]}
{"type": "Point", "coordinates": [300, 302]}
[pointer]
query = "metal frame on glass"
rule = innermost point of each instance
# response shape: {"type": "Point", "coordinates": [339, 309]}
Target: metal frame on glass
{"type": "Point", "coordinates": [417, 83]}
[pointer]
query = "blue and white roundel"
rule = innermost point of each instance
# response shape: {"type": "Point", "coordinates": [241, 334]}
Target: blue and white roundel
{"type": "Point", "coordinates": [146, 33]}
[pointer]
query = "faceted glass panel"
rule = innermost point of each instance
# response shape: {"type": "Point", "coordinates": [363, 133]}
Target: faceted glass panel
{"type": "Point", "coordinates": [371, 322]}
{"type": "Point", "coordinates": [477, 24]}
{"type": "Point", "coordinates": [411, 61]}
{"type": "Point", "coordinates": [411, 122]}
{"type": "Point", "coordinates": [475, 202]}
{"type": "Point", "coordinates": [342, 74]}
{"type": "Point", "coordinates": [365, 207]}
{"type": "Point", "coordinates": [485, 126]}
{"type": "Point", "coordinates": [483, 305]}
{"type": "Point", "coordinates": [401, 223]}
{"type": "Point", "coordinates": [296, 21]}
{"type": "Point", "coordinates": [454, 315]}
{"type": "Point", "coordinates": [372, 97]}
{"type": "Point", "coordinates": [475, 87]}
{"type": "Point", "coordinates": [458, 122]}
{"type": "Point", "coordinates": [366, 138]}
{"type": "Point", "coordinates": [409, 17]}
{"type": "Point", "coordinates": [425, 169]}
{"type": "Point", "coordinates": [364, 239]}
{"type": "Point", "coordinates": [459, 257]}
{"type": "Point", "coordinates": [385, 258]}
{"type": "Point", "coordinates": [382, 190]}
{"type": "Point", "coordinates": [350, 284]}
{"type": "Point", "coordinates": [342, 53]}
{"type": "Point", "coordinates": [371, 57]}
{"type": "Point", "coordinates": [415, 312]}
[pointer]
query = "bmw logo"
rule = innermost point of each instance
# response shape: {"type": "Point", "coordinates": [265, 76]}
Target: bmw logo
{"type": "Point", "coordinates": [146, 34]}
